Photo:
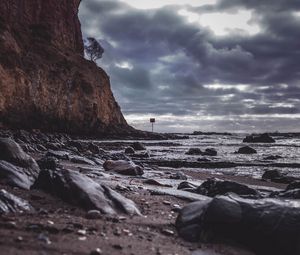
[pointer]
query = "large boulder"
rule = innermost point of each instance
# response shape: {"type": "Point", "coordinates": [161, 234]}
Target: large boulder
{"type": "Point", "coordinates": [10, 203]}
{"type": "Point", "coordinates": [267, 226]}
{"type": "Point", "coordinates": [80, 190]}
{"type": "Point", "coordinates": [16, 167]}
{"type": "Point", "coordinates": [246, 150]}
{"type": "Point", "coordinates": [123, 167]}
{"type": "Point", "coordinates": [213, 187]}
{"type": "Point", "coordinates": [262, 138]}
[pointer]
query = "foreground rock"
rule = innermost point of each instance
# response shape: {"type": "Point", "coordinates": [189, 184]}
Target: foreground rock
{"type": "Point", "coordinates": [267, 226]}
{"type": "Point", "coordinates": [10, 203]}
{"type": "Point", "coordinates": [292, 191]}
{"type": "Point", "coordinates": [123, 167]}
{"type": "Point", "coordinates": [16, 167]}
{"type": "Point", "coordinates": [246, 150]}
{"type": "Point", "coordinates": [213, 187]}
{"type": "Point", "coordinates": [197, 151]}
{"type": "Point", "coordinates": [78, 189]}
{"type": "Point", "coordinates": [263, 138]}
{"type": "Point", "coordinates": [279, 177]}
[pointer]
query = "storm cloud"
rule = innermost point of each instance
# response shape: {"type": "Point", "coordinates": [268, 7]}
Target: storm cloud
{"type": "Point", "coordinates": [162, 64]}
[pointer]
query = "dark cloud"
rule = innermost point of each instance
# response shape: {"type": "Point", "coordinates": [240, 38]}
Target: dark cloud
{"type": "Point", "coordinates": [159, 63]}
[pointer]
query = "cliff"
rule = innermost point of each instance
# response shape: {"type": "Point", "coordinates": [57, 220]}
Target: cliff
{"type": "Point", "coordinates": [45, 82]}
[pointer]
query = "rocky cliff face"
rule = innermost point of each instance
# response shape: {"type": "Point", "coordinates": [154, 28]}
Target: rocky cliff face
{"type": "Point", "coordinates": [45, 82]}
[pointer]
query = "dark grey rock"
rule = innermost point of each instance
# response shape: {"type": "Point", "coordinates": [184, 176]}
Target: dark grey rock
{"type": "Point", "coordinates": [272, 157]}
{"type": "Point", "coordinates": [16, 167]}
{"type": "Point", "coordinates": [267, 226]}
{"type": "Point", "coordinates": [178, 176]}
{"type": "Point", "coordinates": [138, 146]}
{"type": "Point", "coordinates": [213, 187]}
{"type": "Point", "coordinates": [209, 152]}
{"type": "Point", "coordinates": [129, 150]}
{"type": "Point", "coordinates": [94, 148]}
{"type": "Point", "coordinates": [81, 160]}
{"type": "Point", "coordinates": [64, 155]}
{"type": "Point", "coordinates": [123, 167]}
{"type": "Point", "coordinates": [262, 138]}
{"type": "Point", "coordinates": [48, 163]}
{"type": "Point", "coordinates": [187, 186]}
{"type": "Point", "coordinates": [10, 203]}
{"type": "Point", "coordinates": [246, 150]}
{"type": "Point", "coordinates": [78, 189]}
{"type": "Point", "coordinates": [194, 151]}
{"type": "Point", "coordinates": [279, 177]}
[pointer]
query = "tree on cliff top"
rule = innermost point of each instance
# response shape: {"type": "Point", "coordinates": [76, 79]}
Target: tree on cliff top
{"type": "Point", "coordinates": [93, 49]}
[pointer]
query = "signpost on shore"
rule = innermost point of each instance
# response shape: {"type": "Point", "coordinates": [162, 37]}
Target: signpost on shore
{"type": "Point", "coordinates": [152, 121]}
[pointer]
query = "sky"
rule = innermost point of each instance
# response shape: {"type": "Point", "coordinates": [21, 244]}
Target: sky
{"type": "Point", "coordinates": [209, 65]}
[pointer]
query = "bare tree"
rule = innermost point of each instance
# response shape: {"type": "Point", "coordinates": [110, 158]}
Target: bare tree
{"type": "Point", "coordinates": [93, 49]}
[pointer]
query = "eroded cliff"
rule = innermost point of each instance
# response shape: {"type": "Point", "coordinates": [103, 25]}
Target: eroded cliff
{"type": "Point", "coordinates": [45, 82]}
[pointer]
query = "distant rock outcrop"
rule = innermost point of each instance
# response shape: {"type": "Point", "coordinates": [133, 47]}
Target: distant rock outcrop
{"type": "Point", "coordinates": [45, 82]}
{"type": "Point", "coordinates": [263, 138]}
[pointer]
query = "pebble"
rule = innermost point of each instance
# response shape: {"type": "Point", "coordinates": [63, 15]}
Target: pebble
{"type": "Point", "coordinates": [42, 237]}
{"type": "Point", "coordinates": [81, 232]}
{"type": "Point", "coordinates": [97, 251]}
{"type": "Point", "coordinates": [168, 232]}
{"type": "Point", "coordinates": [93, 214]}
{"type": "Point", "coordinates": [82, 238]}
{"type": "Point", "coordinates": [166, 202]}
{"type": "Point", "coordinates": [19, 239]}
{"type": "Point", "coordinates": [117, 247]}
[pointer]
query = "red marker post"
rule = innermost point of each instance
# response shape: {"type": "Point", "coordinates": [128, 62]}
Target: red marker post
{"type": "Point", "coordinates": [152, 121]}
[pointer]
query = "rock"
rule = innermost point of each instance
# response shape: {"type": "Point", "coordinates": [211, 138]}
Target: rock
{"type": "Point", "coordinates": [138, 146]}
{"type": "Point", "coordinates": [203, 160]}
{"type": "Point", "coordinates": [293, 185]}
{"type": "Point", "coordinates": [78, 145]}
{"type": "Point", "coordinates": [246, 150]}
{"type": "Point", "coordinates": [53, 146]}
{"type": "Point", "coordinates": [123, 167]}
{"type": "Point", "coordinates": [16, 167]}
{"type": "Point", "coordinates": [272, 157]}
{"type": "Point", "coordinates": [291, 194]}
{"type": "Point", "coordinates": [263, 138]}
{"type": "Point", "coordinates": [78, 189]}
{"type": "Point", "coordinates": [267, 226]}
{"type": "Point", "coordinates": [48, 163]}
{"type": "Point", "coordinates": [209, 152]}
{"type": "Point", "coordinates": [94, 148]}
{"type": "Point", "coordinates": [194, 151]}
{"type": "Point", "coordinates": [64, 155]}
{"type": "Point", "coordinates": [93, 214]}
{"type": "Point", "coordinates": [156, 183]}
{"type": "Point", "coordinates": [213, 187]}
{"type": "Point", "coordinates": [141, 155]}
{"type": "Point", "coordinates": [81, 160]}
{"type": "Point", "coordinates": [277, 176]}
{"type": "Point", "coordinates": [129, 150]}
{"type": "Point", "coordinates": [45, 80]}
{"type": "Point", "coordinates": [168, 232]}
{"type": "Point", "coordinates": [197, 151]}
{"type": "Point", "coordinates": [10, 203]}
{"type": "Point", "coordinates": [187, 186]}
{"type": "Point", "coordinates": [178, 176]}
{"type": "Point", "coordinates": [292, 191]}
{"type": "Point", "coordinates": [97, 251]}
